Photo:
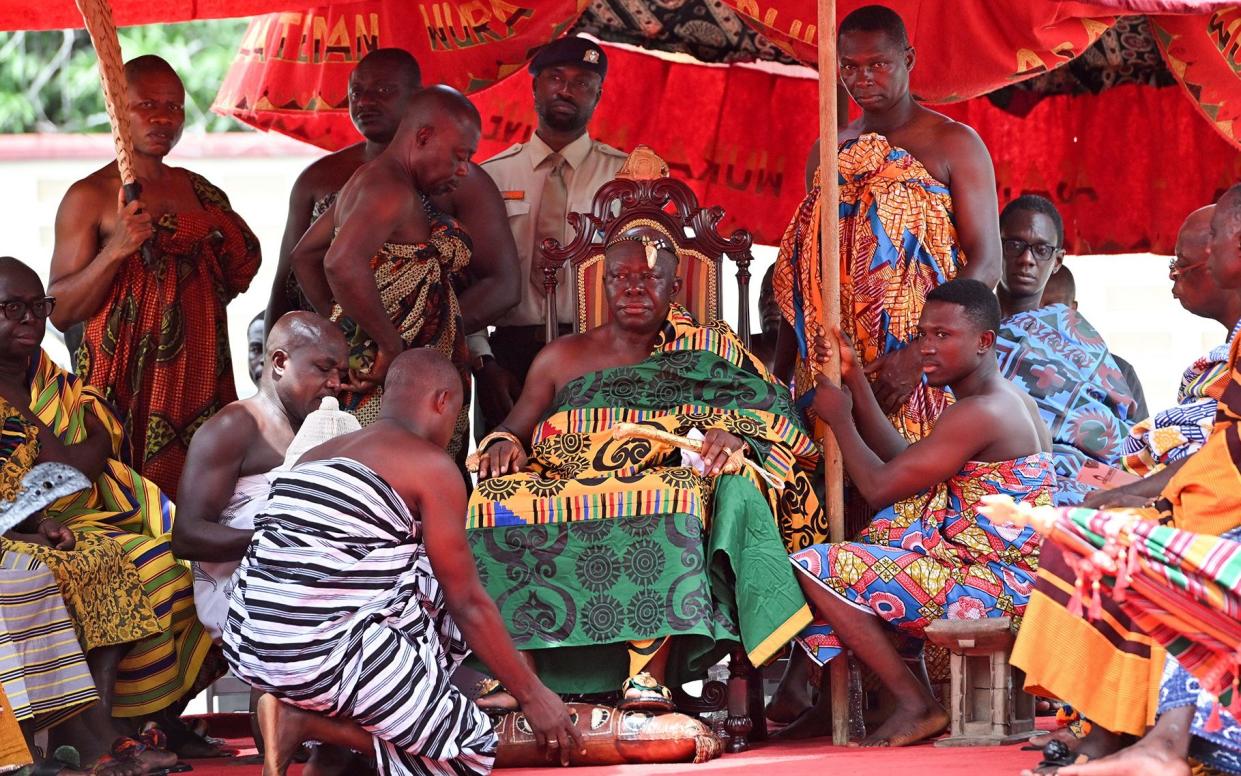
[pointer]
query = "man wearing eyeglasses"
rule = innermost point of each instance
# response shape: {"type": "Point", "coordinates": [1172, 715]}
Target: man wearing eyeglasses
{"type": "Point", "coordinates": [1054, 353]}
{"type": "Point", "coordinates": [555, 173]}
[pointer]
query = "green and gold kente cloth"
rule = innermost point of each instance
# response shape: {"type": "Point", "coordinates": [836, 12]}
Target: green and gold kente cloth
{"type": "Point", "coordinates": [606, 542]}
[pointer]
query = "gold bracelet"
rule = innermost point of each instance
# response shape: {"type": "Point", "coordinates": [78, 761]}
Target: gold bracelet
{"type": "Point", "coordinates": [471, 461]}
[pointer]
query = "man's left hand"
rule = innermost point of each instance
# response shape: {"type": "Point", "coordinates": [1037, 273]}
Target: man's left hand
{"type": "Point", "coordinates": [717, 446]}
{"type": "Point", "coordinates": [894, 375]}
{"type": "Point", "coordinates": [58, 537]}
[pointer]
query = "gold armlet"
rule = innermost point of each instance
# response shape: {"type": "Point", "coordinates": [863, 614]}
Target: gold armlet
{"type": "Point", "coordinates": [471, 461]}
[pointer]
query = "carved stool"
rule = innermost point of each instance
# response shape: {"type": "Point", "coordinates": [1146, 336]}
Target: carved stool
{"type": "Point", "coordinates": [986, 702]}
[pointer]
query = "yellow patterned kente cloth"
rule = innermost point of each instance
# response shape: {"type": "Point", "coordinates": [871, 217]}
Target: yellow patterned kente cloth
{"type": "Point", "coordinates": [132, 512]}
{"type": "Point", "coordinates": [897, 242]}
{"type": "Point", "coordinates": [609, 543]}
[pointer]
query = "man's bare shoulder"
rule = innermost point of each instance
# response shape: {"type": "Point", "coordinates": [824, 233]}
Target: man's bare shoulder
{"type": "Point", "coordinates": [330, 172]}
{"type": "Point", "coordinates": [99, 187]}
{"type": "Point", "coordinates": [954, 136]}
{"type": "Point", "coordinates": [233, 427]}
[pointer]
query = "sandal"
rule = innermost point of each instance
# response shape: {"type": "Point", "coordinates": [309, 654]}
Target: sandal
{"type": "Point", "coordinates": [130, 750]}
{"type": "Point", "coordinates": [490, 688]}
{"type": "Point", "coordinates": [641, 692]}
{"type": "Point", "coordinates": [1057, 755]}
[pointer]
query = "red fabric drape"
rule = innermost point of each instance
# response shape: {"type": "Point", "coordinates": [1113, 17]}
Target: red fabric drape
{"type": "Point", "coordinates": [291, 75]}
{"type": "Point", "coordinates": [62, 14]}
{"type": "Point", "coordinates": [1125, 166]}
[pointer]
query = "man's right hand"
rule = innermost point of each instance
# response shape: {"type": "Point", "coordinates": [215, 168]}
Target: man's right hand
{"type": "Point", "coordinates": [133, 227]}
{"type": "Point", "coordinates": [501, 457]}
{"type": "Point", "coordinates": [552, 726]}
{"type": "Point", "coordinates": [497, 390]}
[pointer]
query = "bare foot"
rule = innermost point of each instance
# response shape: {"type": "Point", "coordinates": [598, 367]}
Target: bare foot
{"type": "Point", "coordinates": [499, 701]}
{"type": "Point", "coordinates": [1063, 735]}
{"type": "Point", "coordinates": [1151, 756]}
{"type": "Point", "coordinates": [813, 723]}
{"type": "Point", "coordinates": [790, 701]}
{"type": "Point", "coordinates": [908, 726]}
{"type": "Point", "coordinates": [283, 728]}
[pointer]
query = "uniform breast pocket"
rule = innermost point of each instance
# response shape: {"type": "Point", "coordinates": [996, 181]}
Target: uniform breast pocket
{"type": "Point", "coordinates": [516, 207]}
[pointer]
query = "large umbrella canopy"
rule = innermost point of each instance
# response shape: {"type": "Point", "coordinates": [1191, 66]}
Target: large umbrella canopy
{"type": "Point", "coordinates": [63, 14]}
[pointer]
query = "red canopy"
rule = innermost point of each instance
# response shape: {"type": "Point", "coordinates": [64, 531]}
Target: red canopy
{"type": "Point", "coordinates": [63, 14]}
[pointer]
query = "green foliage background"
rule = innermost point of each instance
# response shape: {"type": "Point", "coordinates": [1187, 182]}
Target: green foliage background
{"type": "Point", "coordinates": [48, 80]}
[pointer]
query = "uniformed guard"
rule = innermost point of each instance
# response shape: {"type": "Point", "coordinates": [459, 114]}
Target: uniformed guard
{"type": "Point", "coordinates": [556, 173]}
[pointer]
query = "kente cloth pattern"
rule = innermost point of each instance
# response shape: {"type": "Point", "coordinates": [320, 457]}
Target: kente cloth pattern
{"type": "Point", "coordinates": [100, 587]}
{"type": "Point", "coordinates": [1174, 433]}
{"type": "Point", "coordinates": [214, 582]}
{"type": "Point", "coordinates": [132, 512]}
{"type": "Point", "coordinates": [158, 345]}
{"type": "Point", "coordinates": [1057, 357]}
{"type": "Point", "coordinates": [337, 610]}
{"type": "Point", "coordinates": [606, 542]}
{"type": "Point", "coordinates": [415, 283]}
{"type": "Point", "coordinates": [696, 377]}
{"type": "Point", "coordinates": [898, 240]}
{"type": "Point", "coordinates": [42, 669]}
{"type": "Point", "coordinates": [949, 562]}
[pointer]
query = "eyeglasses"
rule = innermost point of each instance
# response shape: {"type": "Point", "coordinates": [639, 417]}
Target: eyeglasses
{"type": "Point", "coordinates": [15, 309]}
{"type": "Point", "coordinates": [1178, 270]}
{"type": "Point", "coordinates": [1015, 248]}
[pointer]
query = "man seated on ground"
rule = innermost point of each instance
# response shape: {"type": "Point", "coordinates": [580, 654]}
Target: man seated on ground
{"type": "Point", "coordinates": [1108, 669]}
{"type": "Point", "coordinates": [388, 276]}
{"type": "Point", "coordinates": [358, 597]}
{"type": "Point", "coordinates": [1062, 289]}
{"type": "Point", "coordinates": [1054, 354]}
{"type": "Point", "coordinates": [608, 557]}
{"type": "Point", "coordinates": [949, 561]}
{"type": "Point", "coordinates": [76, 426]}
{"type": "Point", "coordinates": [226, 477]}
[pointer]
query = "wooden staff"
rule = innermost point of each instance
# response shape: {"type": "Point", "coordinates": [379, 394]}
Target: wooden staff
{"type": "Point", "coordinates": [829, 257]}
{"type": "Point", "coordinates": [98, 17]}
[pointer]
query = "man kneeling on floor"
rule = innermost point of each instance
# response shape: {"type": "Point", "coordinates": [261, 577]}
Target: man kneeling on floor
{"type": "Point", "coordinates": [349, 599]}
{"type": "Point", "coordinates": [948, 561]}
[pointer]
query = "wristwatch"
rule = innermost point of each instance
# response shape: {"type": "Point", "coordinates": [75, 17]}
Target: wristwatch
{"type": "Point", "coordinates": [478, 362]}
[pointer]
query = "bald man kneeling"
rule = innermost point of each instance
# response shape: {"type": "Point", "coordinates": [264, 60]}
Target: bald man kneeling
{"type": "Point", "coordinates": [225, 480]}
{"type": "Point", "coordinates": [359, 594]}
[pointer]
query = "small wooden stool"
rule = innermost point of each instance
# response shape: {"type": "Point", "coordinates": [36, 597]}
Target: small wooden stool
{"type": "Point", "coordinates": [987, 705]}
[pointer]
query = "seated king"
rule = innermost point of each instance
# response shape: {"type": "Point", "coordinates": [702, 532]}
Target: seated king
{"type": "Point", "coordinates": [624, 561]}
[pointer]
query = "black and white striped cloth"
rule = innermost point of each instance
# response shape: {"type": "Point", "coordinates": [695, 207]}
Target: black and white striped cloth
{"type": "Point", "coordinates": [336, 610]}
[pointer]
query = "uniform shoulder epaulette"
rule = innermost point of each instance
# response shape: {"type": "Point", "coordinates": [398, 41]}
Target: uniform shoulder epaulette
{"type": "Point", "coordinates": [512, 150]}
{"type": "Point", "coordinates": [608, 150]}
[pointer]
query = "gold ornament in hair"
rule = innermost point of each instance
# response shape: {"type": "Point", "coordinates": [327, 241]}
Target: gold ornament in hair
{"type": "Point", "coordinates": [652, 245]}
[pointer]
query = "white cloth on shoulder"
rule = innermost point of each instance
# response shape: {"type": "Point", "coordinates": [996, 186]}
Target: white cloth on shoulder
{"type": "Point", "coordinates": [213, 582]}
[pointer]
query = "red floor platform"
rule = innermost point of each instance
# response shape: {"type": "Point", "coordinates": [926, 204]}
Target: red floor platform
{"type": "Point", "coordinates": [808, 758]}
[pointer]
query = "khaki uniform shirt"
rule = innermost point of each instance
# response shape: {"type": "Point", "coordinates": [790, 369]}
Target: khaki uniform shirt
{"type": "Point", "coordinates": [520, 175]}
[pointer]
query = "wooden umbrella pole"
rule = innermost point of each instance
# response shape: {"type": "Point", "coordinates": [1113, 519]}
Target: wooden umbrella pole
{"type": "Point", "coordinates": [829, 256]}
{"type": "Point", "coordinates": [98, 17]}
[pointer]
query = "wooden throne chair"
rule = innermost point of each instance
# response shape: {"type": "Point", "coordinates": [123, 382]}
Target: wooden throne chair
{"type": "Point", "coordinates": [643, 187]}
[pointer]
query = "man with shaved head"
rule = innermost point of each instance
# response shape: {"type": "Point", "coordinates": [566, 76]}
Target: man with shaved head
{"type": "Point", "coordinates": [226, 475]}
{"type": "Point", "coordinates": [388, 274]}
{"type": "Point", "coordinates": [358, 597]}
{"type": "Point", "coordinates": [150, 280]}
{"type": "Point", "coordinates": [380, 89]}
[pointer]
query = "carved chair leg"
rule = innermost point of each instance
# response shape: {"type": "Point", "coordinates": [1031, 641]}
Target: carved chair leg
{"type": "Point", "coordinates": [739, 723]}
